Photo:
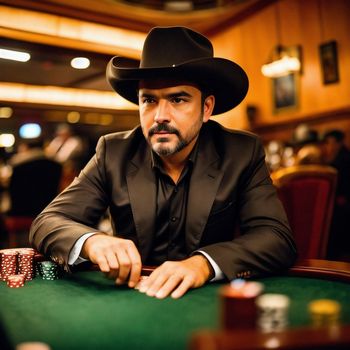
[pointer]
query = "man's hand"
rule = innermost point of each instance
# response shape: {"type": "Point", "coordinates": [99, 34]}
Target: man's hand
{"type": "Point", "coordinates": [175, 278]}
{"type": "Point", "coordinates": [117, 257]}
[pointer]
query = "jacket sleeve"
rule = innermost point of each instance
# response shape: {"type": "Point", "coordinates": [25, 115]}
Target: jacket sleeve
{"type": "Point", "coordinates": [265, 244]}
{"type": "Point", "coordinates": [74, 212]}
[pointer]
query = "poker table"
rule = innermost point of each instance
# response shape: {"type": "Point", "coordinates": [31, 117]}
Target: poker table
{"type": "Point", "coordinates": [84, 310]}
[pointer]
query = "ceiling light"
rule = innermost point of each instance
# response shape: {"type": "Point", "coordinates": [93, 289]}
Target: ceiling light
{"type": "Point", "coordinates": [7, 140]}
{"type": "Point", "coordinates": [283, 65]}
{"type": "Point", "coordinates": [80, 62]}
{"type": "Point", "coordinates": [14, 55]}
{"type": "Point", "coordinates": [54, 95]}
{"type": "Point", "coordinates": [178, 6]}
{"type": "Point", "coordinates": [30, 131]}
{"type": "Point", "coordinates": [284, 60]}
{"type": "Point", "coordinates": [6, 112]}
{"type": "Point", "coordinates": [73, 117]}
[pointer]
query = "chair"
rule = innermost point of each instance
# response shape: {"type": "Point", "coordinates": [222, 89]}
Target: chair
{"type": "Point", "coordinates": [307, 193]}
{"type": "Point", "coordinates": [33, 185]}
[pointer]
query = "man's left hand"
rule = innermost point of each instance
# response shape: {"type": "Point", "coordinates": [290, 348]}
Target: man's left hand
{"type": "Point", "coordinates": [175, 278]}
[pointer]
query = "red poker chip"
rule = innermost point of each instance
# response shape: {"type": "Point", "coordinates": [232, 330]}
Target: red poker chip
{"type": "Point", "coordinates": [15, 281]}
{"type": "Point", "coordinates": [18, 262]}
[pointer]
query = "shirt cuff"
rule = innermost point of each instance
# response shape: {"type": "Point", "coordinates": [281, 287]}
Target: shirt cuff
{"type": "Point", "coordinates": [74, 257]}
{"type": "Point", "coordinates": [218, 274]}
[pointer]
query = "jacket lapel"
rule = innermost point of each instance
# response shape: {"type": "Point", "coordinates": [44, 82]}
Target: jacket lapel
{"type": "Point", "coordinates": [142, 191]}
{"type": "Point", "coordinates": [204, 184]}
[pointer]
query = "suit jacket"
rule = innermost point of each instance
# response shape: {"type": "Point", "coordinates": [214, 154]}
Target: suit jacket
{"type": "Point", "coordinates": [229, 185]}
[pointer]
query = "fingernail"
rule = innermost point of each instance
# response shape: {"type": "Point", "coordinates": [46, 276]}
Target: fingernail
{"type": "Point", "coordinates": [175, 296]}
{"type": "Point", "coordinates": [142, 289]}
{"type": "Point", "coordinates": [151, 293]}
{"type": "Point", "coordinates": [159, 295]}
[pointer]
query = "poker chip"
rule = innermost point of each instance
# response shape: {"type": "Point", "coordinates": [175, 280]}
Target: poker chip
{"type": "Point", "coordinates": [38, 258]}
{"type": "Point", "coordinates": [25, 263]}
{"type": "Point", "coordinates": [48, 270]}
{"type": "Point", "coordinates": [18, 265]}
{"type": "Point", "coordinates": [272, 312]}
{"type": "Point", "coordinates": [324, 312]}
{"type": "Point", "coordinates": [244, 289]}
{"type": "Point", "coordinates": [238, 308]}
{"type": "Point", "coordinates": [15, 281]}
{"type": "Point", "coordinates": [8, 263]}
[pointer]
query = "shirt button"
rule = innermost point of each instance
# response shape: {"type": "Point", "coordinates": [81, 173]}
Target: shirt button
{"type": "Point", "coordinates": [173, 219]}
{"type": "Point", "coordinates": [176, 190]}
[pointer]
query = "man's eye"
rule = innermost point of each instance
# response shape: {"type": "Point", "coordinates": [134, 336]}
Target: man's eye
{"type": "Point", "coordinates": [177, 100]}
{"type": "Point", "coordinates": [148, 100]}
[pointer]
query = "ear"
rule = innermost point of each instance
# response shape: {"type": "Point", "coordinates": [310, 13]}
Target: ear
{"type": "Point", "coordinates": [208, 107]}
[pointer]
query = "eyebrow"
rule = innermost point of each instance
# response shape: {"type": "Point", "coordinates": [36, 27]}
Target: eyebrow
{"type": "Point", "coordinates": [168, 96]}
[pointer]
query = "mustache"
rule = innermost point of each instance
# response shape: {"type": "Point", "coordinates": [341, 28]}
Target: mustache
{"type": "Point", "coordinates": [163, 127]}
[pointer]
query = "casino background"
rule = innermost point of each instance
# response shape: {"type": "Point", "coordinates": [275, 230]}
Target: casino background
{"type": "Point", "coordinates": [84, 310]}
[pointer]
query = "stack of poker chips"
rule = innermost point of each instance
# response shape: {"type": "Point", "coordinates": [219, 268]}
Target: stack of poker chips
{"type": "Point", "coordinates": [324, 312]}
{"type": "Point", "coordinates": [8, 259]}
{"type": "Point", "coordinates": [26, 263]}
{"type": "Point", "coordinates": [238, 308]}
{"type": "Point", "coordinates": [272, 312]}
{"type": "Point", "coordinates": [15, 281]}
{"type": "Point", "coordinates": [17, 265]}
{"type": "Point", "coordinates": [48, 270]}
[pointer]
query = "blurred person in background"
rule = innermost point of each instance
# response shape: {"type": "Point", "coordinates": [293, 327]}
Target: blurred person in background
{"type": "Point", "coordinates": [306, 145]}
{"type": "Point", "coordinates": [69, 150]}
{"type": "Point", "coordinates": [65, 145]}
{"type": "Point", "coordinates": [33, 180]}
{"type": "Point", "coordinates": [336, 154]}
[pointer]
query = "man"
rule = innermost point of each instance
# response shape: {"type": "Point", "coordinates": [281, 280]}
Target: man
{"type": "Point", "coordinates": [178, 185]}
{"type": "Point", "coordinates": [337, 155]}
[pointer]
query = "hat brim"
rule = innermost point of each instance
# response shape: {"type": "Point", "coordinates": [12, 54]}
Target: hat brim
{"type": "Point", "coordinates": [223, 78]}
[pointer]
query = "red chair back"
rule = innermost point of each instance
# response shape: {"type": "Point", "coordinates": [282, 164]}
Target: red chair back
{"type": "Point", "coordinates": [17, 227]}
{"type": "Point", "coordinates": [307, 193]}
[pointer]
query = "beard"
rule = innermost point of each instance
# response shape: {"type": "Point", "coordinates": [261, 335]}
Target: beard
{"type": "Point", "coordinates": [161, 147]}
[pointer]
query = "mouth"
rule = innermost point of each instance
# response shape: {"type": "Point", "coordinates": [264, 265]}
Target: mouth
{"type": "Point", "coordinates": [163, 133]}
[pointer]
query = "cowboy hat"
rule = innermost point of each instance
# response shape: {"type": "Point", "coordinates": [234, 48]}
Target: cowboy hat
{"type": "Point", "coordinates": [180, 53]}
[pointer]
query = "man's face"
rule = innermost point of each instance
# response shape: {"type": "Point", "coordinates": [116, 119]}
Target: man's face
{"type": "Point", "coordinates": [171, 116]}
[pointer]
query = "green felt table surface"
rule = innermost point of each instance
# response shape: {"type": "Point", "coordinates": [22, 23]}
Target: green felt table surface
{"type": "Point", "coordinates": [87, 311]}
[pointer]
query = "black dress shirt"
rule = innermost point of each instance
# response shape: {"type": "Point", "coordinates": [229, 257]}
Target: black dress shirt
{"type": "Point", "coordinates": [169, 237]}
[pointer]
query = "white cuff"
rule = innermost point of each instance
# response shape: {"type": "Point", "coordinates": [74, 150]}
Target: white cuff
{"type": "Point", "coordinates": [218, 274]}
{"type": "Point", "coordinates": [74, 257]}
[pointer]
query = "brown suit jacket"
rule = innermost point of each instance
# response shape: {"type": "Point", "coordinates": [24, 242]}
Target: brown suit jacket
{"type": "Point", "coordinates": [230, 187]}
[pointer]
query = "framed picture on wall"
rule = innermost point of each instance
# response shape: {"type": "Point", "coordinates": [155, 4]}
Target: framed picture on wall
{"type": "Point", "coordinates": [285, 92]}
{"type": "Point", "coordinates": [329, 62]}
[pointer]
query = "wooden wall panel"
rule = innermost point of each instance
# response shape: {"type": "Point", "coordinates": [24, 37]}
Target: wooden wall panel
{"type": "Point", "coordinates": [305, 23]}
{"type": "Point", "coordinates": [230, 46]}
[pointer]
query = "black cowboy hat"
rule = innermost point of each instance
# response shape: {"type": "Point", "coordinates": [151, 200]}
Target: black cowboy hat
{"type": "Point", "coordinates": [180, 53]}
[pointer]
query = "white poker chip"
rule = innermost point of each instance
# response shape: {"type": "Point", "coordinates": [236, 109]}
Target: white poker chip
{"type": "Point", "coordinates": [270, 300]}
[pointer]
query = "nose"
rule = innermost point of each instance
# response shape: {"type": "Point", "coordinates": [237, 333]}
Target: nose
{"type": "Point", "coordinates": [162, 113]}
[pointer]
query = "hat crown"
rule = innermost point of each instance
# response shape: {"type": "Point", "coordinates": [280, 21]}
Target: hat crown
{"type": "Point", "coordinates": [172, 46]}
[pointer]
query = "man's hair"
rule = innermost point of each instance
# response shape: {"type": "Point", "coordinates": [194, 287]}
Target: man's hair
{"type": "Point", "coordinates": [337, 134]}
